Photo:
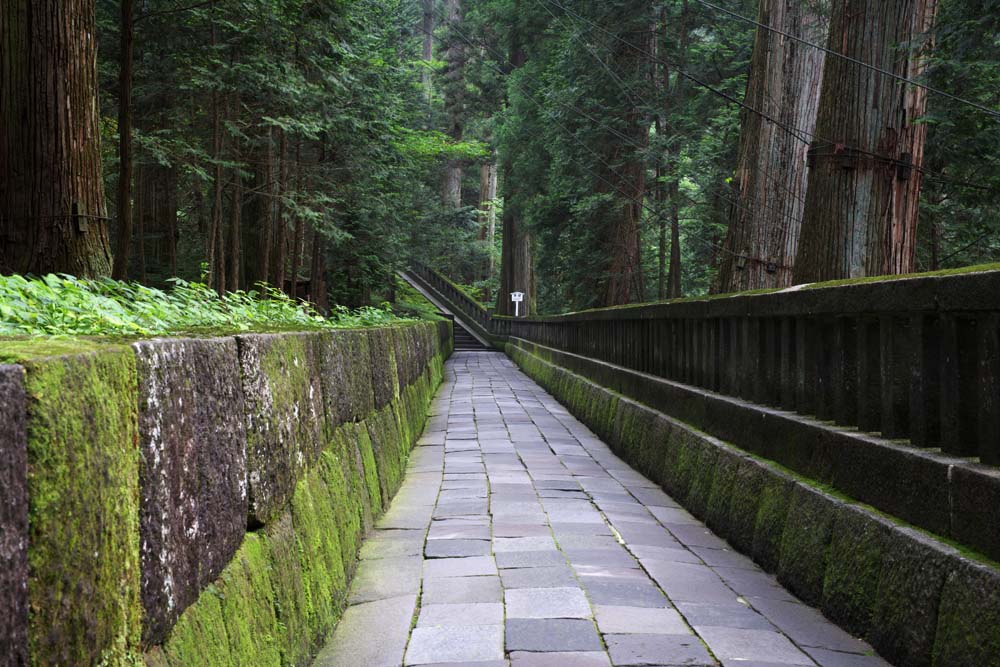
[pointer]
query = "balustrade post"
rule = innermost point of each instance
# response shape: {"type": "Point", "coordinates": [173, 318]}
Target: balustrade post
{"type": "Point", "coordinates": [958, 395]}
{"type": "Point", "coordinates": [988, 353]}
{"type": "Point", "coordinates": [925, 414]}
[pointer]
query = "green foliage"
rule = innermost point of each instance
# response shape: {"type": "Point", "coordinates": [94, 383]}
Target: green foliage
{"type": "Point", "coordinates": [67, 306]}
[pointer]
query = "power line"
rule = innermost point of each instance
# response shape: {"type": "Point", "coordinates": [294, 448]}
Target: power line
{"type": "Point", "coordinates": [639, 201]}
{"type": "Point", "coordinates": [793, 131]}
{"type": "Point", "coordinates": [719, 191]}
{"type": "Point", "coordinates": [625, 138]}
{"type": "Point", "coordinates": [842, 56]}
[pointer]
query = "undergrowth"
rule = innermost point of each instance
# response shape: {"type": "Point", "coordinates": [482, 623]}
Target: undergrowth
{"type": "Point", "coordinates": [62, 305]}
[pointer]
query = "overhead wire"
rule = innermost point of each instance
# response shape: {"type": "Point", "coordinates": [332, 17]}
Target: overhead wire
{"type": "Point", "coordinates": [639, 201]}
{"type": "Point", "coordinates": [767, 174]}
{"type": "Point", "coordinates": [856, 61]}
{"type": "Point", "coordinates": [795, 132]}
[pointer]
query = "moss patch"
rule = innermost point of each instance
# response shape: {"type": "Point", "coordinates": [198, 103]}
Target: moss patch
{"type": "Point", "coordinates": [84, 509]}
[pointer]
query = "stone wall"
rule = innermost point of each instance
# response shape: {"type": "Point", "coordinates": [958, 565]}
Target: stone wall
{"type": "Point", "coordinates": [919, 601]}
{"type": "Point", "coordinates": [198, 501]}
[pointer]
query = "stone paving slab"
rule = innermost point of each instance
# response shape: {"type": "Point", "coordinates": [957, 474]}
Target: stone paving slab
{"type": "Point", "coordinates": [520, 540]}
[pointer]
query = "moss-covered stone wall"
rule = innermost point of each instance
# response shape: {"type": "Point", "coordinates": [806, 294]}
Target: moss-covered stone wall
{"type": "Point", "coordinates": [918, 600]}
{"type": "Point", "coordinates": [198, 501]}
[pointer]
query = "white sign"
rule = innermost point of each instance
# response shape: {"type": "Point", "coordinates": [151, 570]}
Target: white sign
{"type": "Point", "coordinates": [517, 298]}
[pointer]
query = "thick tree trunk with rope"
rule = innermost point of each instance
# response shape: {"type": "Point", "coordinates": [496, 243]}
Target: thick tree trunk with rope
{"type": "Point", "coordinates": [771, 175]}
{"type": "Point", "coordinates": [865, 166]}
{"type": "Point", "coordinates": [52, 207]}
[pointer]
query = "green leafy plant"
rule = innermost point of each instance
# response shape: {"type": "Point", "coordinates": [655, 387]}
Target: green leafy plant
{"type": "Point", "coordinates": [62, 305]}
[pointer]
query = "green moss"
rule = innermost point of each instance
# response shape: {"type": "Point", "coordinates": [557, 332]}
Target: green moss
{"type": "Point", "coordinates": [772, 510]}
{"type": "Point", "coordinates": [248, 607]}
{"type": "Point", "coordinates": [979, 268]}
{"type": "Point", "coordinates": [717, 512]}
{"type": "Point", "coordinates": [318, 541]}
{"type": "Point", "coordinates": [287, 585]}
{"type": "Point", "coordinates": [852, 570]}
{"type": "Point", "coordinates": [83, 479]}
{"type": "Point", "coordinates": [291, 606]}
{"type": "Point", "coordinates": [16, 350]}
{"type": "Point", "coordinates": [344, 478]}
{"type": "Point", "coordinates": [804, 543]}
{"type": "Point", "coordinates": [199, 637]}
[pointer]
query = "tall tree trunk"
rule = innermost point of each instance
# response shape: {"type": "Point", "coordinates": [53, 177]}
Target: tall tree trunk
{"type": "Point", "coordinates": [141, 196]}
{"type": "Point", "coordinates": [517, 270]}
{"type": "Point", "coordinates": [674, 290]}
{"type": "Point", "coordinates": [52, 208]}
{"type": "Point", "coordinates": [771, 174]}
{"type": "Point", "coordinates": [264, 211]}
{"type": "Point", "coordinates": [623, 282]}
{"type": "Point", "coordinates": [428, 30]}
{"type": "Point", "coordinates": [216, 260]}
{"type": "Point", "coordinates": [120, 269]}
{"type": "Point", "coordinates": [298, 237]}
{"type": "Point", "coordinates": [488, 217]}
{"type": "Point", "coordinates": [317, 273]}
{"type": "Point", "coordinates": [861, 208]}
{"type": "Point", "coordinates": [279, 221]}
{"type": "Point", "coordinates": [454, 103]}
{"type": "Point", "coordinates": [235, 219]}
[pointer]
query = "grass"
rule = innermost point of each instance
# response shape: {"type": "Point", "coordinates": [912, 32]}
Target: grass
{"type": "Point", "coordinates": [62, 305]}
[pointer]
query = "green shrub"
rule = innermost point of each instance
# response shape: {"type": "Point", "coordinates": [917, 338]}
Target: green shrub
{"type": "Point", "coordinates": [64, 305]}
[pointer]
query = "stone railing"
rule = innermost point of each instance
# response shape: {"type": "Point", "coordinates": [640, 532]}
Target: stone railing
{"type": "Point", "coordinates": [915, 358]}
{"type": "Point", "coordinates": [198, 501]}
{"type": "Point", "coordinates": [455, 295]}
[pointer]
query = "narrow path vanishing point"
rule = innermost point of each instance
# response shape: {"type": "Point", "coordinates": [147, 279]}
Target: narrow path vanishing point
{"type": "Point", "coordinates": [520, 539]}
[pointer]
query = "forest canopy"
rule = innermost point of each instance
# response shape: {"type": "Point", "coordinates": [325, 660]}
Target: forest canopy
{"type": "Point", "coordinates": [588, 153]}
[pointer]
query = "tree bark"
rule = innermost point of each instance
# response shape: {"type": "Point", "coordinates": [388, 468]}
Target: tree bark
{"type": "Point", "coordinates": [622, 282]}
{"type": "Point", "coordinates": [298, 236]}
{"type": "Point", "coordinates": [52, 207]}
{"type": "Point", "coordinates": [120, 269]}
{"type": "Point", "coordinates": [861, 208]}
{"type": "Point", "coordinates": [235, 220]}
{"type": "Point", "coordinates": [263, 211]}
{"type": "Point", "coordinates": [428, 30]}
{"type": "Point", "coordinates": [517, 270]}
{"type": "Point", "coordinates": [675, 97]}
{"type": "Point", "coordinates": [771, 174]}
{"type": "Point", "coordinates": [278, 265]}
{"type": "Point", "coordinates": [454, 104]}
{"type": "Point", "coordinates": [488, 216]}
{"type": "Point", "coordinates": [141, 196]}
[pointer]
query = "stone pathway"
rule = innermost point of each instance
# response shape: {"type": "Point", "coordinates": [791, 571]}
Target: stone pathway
{"type": "Point", "coordinates": [519, 539]}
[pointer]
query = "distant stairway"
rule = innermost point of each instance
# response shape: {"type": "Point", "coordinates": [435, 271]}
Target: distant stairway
{"type": "Point", "coordinates": [465, 341]}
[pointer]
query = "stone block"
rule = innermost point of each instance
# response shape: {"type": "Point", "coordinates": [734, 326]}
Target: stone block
{"type": "Point", "coordinates": [975, 494]}
{"type": "Point", "coordinates": [385, 376]}
{"type": "Point", "coordinates": [346, 376]}
{"type": "Point", "coordinates": [717, 513]}
{"type": "Point", "coordinates": [285, 416]}
{"type": "Point", "coordinates": [772, 510]}
{"type": "Point", "coordinates": [83, 482]}
{"type": "Point", "coordinates": [854, 563]}
{"type": "Point", "coordinates": [968, 627]}
{"type": "Point", "coordinates": [192, 476]}
{"type": "Point", "coordinates": [13, 517]}
{"type": "Point", "coordinates": [749, 479]}
{"type": "Point", "coordinates": [802, 560]}
{"type": "Point", "coordinates": [905, 617]}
